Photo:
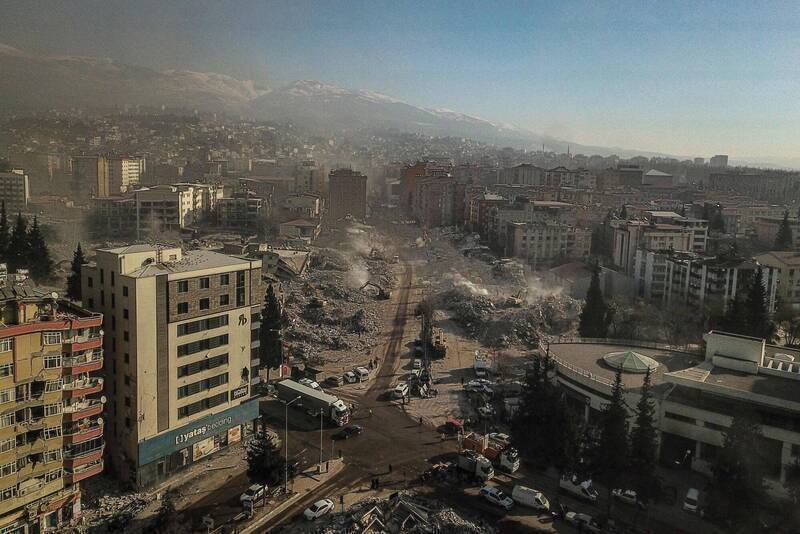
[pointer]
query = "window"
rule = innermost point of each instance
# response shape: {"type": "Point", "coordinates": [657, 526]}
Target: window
{"type": "Point", "coordinates": [102, 298]}
{"type": "Point", "coordinates": [205, 282]}
{"type": "Point", "coordinates": [203, 404]}
{"type": "Point", "coordinates": [52, 432]}
{"type": "Point", "coordinates": [127, 401]}
{"type": "Point", "coordinates": [8, 469]}
{"type": "Point", "coordinates": [52, 409]}
{"type": "Point", "coordinates": [127, 380]}
{"type": "Point", "coordinates": [102, 273]}
{"type": "Point", "coordinates": [55, 474]}
{"type": "Point", "coordinates": [202, 344]}
{"type": "Point", "coordinates": [6, 395]}
{"type": "Point", "coordinates": [125, 313]}
{"type": "Point", "coordinates": [52, 361]}
{"type": "Point", "coordinates": [8, 444]}
{"type": "Point", "coordinates": [240, 288]}
{"type": "Point", "coordinates": [89, 281]}
{"type": "Point", "coordinates": [202, 365]}
{"type": "Point", "coordinates": [6, 369]}
{"type": "Point", "coordinates": [224, 279]}
{"type": "Point", "coordinates": [126, 336]}
{"type": "Point", "coordinates": [202, 325]}
{"type": "Point", "coordinates": [113, 300]}
{"type": "Point", "coordinates": [205, 304]}
{"type": "Point", "coordinates": [7, 344]}
{"type": "Point", "coordinates": [52, 456]}
{"type": "Point", "coordinates": [113, 322]}
{"type": "Point", "coordinates": [112, 278]}
{"type": "Point", "coordinates": [7, 420]}
{"type": "Point", "coordinates": [127, 422]}
{"type": "Point", "coordinates": [6, 494]}
{"type": "Point", "coordinates": [202, 385]}
{"type": "Point", "coordinates": [91, 303]}
{"type": "Point", "coordinates": [51, 338]}
{"type": "Point", "coordinates": [224, 300]}
{"type": "Point", "coordinates": [124, 291]}
{"type": "Point", "coordinates": [183, 286]}
{"type": "Point", "coordinates": [183, 307]}
{"type": "Point", "coordinates": [127, 358]}
{"type": "Point", "coordinates": [52, 385]}
{"type": "Point", "coordinates": [679, 417]}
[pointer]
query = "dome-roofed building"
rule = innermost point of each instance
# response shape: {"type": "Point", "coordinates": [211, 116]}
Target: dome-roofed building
{"type": "Point", "coordinates": [629, 361]}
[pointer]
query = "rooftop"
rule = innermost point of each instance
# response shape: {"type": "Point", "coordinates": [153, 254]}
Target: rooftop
{"type": "Point", "coordinates": [788, 257]}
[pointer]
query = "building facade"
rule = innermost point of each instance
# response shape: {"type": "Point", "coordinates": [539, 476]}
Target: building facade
{"type": "Point", "coordinates": [181, 329]}
{"type": "Point", "coordinates": [347, 195]}
{"type": "Point", "coordinates": [51, 435]}
{"type": "Point", "coordinates": [15, 190]}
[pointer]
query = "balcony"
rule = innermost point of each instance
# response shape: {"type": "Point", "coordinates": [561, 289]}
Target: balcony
{"type": "Point", "coordinates": [82, 387]}
{"type": "Point", "coordinates": [83, 409]}
{"type": "Point", "coordinates": [83, 363]}
{"type": "Point", "coordinates": [82, 472]}
{"type": "Point", "coordinates": [84, 457]}
{"type": "Point", "coordinates": [79, 343]}
{"type": "Point", "coordinates": [83, 432]}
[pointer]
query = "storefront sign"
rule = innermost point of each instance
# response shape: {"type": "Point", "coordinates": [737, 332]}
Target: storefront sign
{"type": "Point", "coordinates": [239, 392]}
{"type": "Point", "coordinates": [203, 448]}
{"type": "Point", "coordinates": [174, 440]}
{"type": "Point", "coordinates": [234, 434]}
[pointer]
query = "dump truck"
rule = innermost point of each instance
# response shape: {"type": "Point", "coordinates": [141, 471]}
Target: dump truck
{"type": "Point", "coordinates": [502, 456]}
{"type": "Point", "coordinates": [313, 401]}
{"type": "Point", "coordinates": [438, 343]}
{"type": "Point", "coordinates": [476, 465]}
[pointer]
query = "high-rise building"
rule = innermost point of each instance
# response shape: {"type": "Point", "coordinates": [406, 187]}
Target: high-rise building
{"type": "Point", "coordinates": [348, 195]}
{"type": "Point", "coordinates": [14, 190]}
{"type": "Point", "coordinates": [124, 172]}
{"type": "Point", "coordinates": [90, 177]}
{"type": "Point", "coordinates": [179, 336]}
{"type": "Point", "coordinates": [719, 161]}
{"type": "Point", "coordinates": [51, 435]}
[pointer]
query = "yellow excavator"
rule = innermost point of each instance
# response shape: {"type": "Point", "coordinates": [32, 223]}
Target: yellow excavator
{"type": "Point", "coordinates": [383, 294]}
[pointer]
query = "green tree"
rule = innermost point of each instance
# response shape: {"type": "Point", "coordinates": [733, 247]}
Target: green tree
{"type": "Point", "coordinates": [74, 278]}
{"type": "Point", "coordinates": [265, 463]}
{"type": "Point", "coordinates": [757, 315]}
{"type": "Point", "coordinates": [38, 255]}
{"type": "Point", "coordinates": [783, 239]}
{"type": "Point", "coordinates": [623, 213]}
{"type": "Point", "coordinates": [717, 223]}
{"type": "Point", "coordinates": [610, 457]}
{"type": "Point", "coordinates": [595, 315]}
{"type": "Point", "coordinates": [644, 444]}
{"type": "Point", "coordinates": [270, 349]}
{"type": "Point", "coordinates": [167, 519]}
{"type": "Point", "coordinates": [737, 487]}
{"type": "Point", "coordinates": [734, 320]}
{"type": "Point", "coordinates": [18, 245]}
{"type": "Point", "coordinates": [3, 232]}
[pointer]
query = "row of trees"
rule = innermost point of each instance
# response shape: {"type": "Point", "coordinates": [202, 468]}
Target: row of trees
{"type": "Point", "coordinates": [23, 247]}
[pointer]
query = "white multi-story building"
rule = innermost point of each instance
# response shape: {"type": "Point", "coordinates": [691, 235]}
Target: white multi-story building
{"type": "Point", "coordinates": [179, 351]}
{"type": "Point", "coordinates": [124, 172]}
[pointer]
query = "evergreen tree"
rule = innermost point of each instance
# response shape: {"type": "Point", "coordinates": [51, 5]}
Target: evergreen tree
{"type": "Point", "coordinates": [265, 463]}
{"type": "Point", "coordinates": [596, 315]}
{"type": "Point", "coordinates": [757, 316]}
{"type": "Point", "coordinates": [733, 320]}
{"type": "Point", "coordinates": [737, 486]}
{"type": "Point", "coordinates": [783, 239]}
{"type": "Point", "coordinates": [623, 214]}
{"type": "Point", "coordinates": [3, 232]}
{"type": "Point", "coordinates": [611, 448]}
{"type": "Point", "coordinates": [18, 245]}
{"type": "Point", "coordinates": [717, 223]}
{"type": "Point", "coordinates": [38, 255]}
{"type": "Point", "coordinates": [644, 444]}
{"type": "Point", "coordinates": [74, 278]}
{"type": "Point", "coordinates": [271, 346]}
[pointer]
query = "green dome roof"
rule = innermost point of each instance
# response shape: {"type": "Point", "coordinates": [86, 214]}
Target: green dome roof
{"type": "Point", "coordinates": [630, 362]}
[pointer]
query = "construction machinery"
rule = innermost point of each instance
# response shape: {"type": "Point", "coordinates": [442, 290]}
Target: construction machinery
{"type": "Point", "coordinates": [382, 294]}
{"type": "Point", "coordinates": [316, 297]}
{"type": "Point", "coordinates": [517, 300]}
{"type": "Point", "coordinates": [501, 455]}
{"type": "Point", "coordinates": [438, 343]}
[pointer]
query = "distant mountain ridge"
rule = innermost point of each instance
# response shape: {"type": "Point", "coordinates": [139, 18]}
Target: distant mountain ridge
{"type": "Point", "coordinates": [35, 82]}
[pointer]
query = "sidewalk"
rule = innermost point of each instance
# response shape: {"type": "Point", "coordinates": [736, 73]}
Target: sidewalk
{"type": "Point", "coordinates": [303, 484]}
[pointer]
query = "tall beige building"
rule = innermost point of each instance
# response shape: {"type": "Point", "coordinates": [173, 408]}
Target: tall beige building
{"type": "Point", "coordinates": [124, 172]}
{"type": "Point", "coordinates": [179, 334]}
{"type": "Point", "coordinates": [347, 191]}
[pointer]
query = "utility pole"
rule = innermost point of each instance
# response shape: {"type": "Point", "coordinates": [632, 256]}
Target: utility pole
{"type": "Point", "coordinates": [321, 412]}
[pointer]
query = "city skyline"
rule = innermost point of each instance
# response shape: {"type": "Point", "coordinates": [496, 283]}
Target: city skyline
{"type": "Point", "coordinates": [678, 79]}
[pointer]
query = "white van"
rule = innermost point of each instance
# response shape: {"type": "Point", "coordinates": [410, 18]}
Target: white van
{"type": "Point", "coordinates": [691, 502]}
{"type": "Point", "coordinates": [362, 373]}
{"type": "Point", "coordinates": [530, 497]}
{"type": "Point", "coordinates": [350, 377]}
{"type": "Point", "coordinates": [400, 390]}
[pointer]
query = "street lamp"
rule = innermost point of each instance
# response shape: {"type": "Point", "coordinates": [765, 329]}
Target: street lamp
{"type": "Point", "coordinates": [286, 442]}
{"type": "Point", "coordinates": [321, 413]}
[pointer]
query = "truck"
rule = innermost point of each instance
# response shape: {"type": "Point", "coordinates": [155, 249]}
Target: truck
{"type": "Point", "coordinates": [314, 401]}
{"type": "Point", "coordinates": [580, 489]}
{"type": "Point", "coordinates": [502, 456]}
{"type": "Point", "coordinates": [476, 465]}
{"type": "Point", "coordinates": [438, 344]}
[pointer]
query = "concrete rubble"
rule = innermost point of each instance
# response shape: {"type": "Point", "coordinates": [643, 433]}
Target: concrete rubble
{"type": "Point", "coordinates": [108, 509]}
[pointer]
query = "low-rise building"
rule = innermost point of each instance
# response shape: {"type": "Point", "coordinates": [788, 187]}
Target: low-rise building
{"type": "Point", "coordinates": [304, 229]}
{"type": "Point", "coordinates": [787, 267]}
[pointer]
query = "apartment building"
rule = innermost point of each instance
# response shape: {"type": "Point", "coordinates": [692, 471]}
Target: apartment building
{"type": "Point", "coordinates": [347, 191]}
{"type": "Point", "coordinates": [90, 177]}
{"type": "Point", "coordinates": [15, 190]}
{"type": "Point", "coordinates": [698, 227]}
{"type": "Point", "coordinates": [180, 329]}
{"type": "Point", "coordinates": [51, 435]}
{"type": "Point", "coordinates": [524, 174]}
{"type": "Point", "coordinates": [124, 172]}
{"type": "Point", "coordinates": [766, 230]}
{"type": "Point", "coordinates": [242, 210]}
{"type": "Point", "coordinates": [787, 267]}
{"type": "Point", "coordinates": [632, 235]}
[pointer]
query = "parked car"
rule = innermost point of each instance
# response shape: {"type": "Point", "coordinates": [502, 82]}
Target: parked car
{"type": "Point", "coordinates": [400, 390]}
{"type": "Point", "coordinates": [334, 381]}
{"type": "Point", "coordinates": [350, 377]}
{"type": "Point", "coordinates": [497, 497]}
{"type": "Point", "coordinates": [253, 493]}
{"type": "Point", "coordinates": [309, 383]}
{"type": "Point", "coordinates": [583, 522]}
{"type": "Point", "coordinates": [362, 373]}
{"type": "Point", "coordinates": [499, 437]}
{"type": "Point", "coordinates": [628, 497]}
{"type": "Point", "coordinates": [691, 503]}
{"type": "Point", "coordinates": [348, 432]}
{"type": "Point", "coordinates": [318, 509]}
{"type": "Point", "coordinates": [530, 497]}
{"type": "Point", "coordinates": [486, 411]}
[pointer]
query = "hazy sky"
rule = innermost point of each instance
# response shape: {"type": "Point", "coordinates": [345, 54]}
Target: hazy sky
{"type": "Point", "coordinates": [683, 78]}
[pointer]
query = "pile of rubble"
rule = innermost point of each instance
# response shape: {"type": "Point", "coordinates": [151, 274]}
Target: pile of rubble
{"type": "Point", "coordinates": [403, 512]}
{"type": "Point", "coordinates": [107, 509]}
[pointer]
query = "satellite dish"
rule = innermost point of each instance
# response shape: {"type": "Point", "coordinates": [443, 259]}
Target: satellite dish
{"type": "Point", "coordinates": [101, 332]}
{"type": "Point", "coordinates": [103, 399]}
{"type": "Point", "coordinates": [54, 295]}
{"type": "Point", "coordinates": [99, 420]}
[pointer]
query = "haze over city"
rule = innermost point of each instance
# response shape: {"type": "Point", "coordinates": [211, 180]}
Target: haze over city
{"type": "Point", "coordinates": [675, 78]}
